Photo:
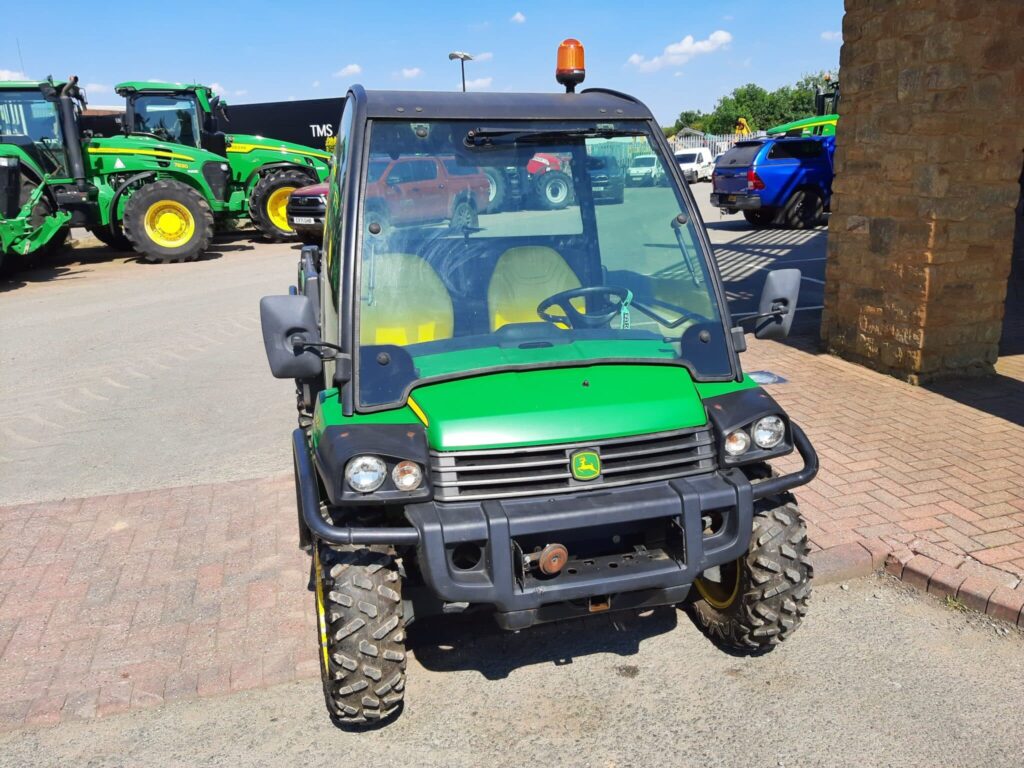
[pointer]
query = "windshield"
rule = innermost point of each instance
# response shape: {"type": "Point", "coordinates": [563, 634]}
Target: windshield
{"type": "Point", "coordinates": [647, 161]}
{"type": "Point", "coordinates": [31, 122]}
{"type": "Point", "coordinates": [689, 157]}
{"type": "Point", "coordinates": [520, 254]}
{"type": "Point", "coordinates": [172, 118]}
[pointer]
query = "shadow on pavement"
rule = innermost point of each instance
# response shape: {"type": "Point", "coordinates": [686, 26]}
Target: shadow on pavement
{"type": "Point", "coordinates": [475, 642]}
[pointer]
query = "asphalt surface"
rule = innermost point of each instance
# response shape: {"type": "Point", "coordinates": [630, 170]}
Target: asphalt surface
{"type": "Point", "coordinates": [118, 376]}
{"type": "Point", "coordinates": [876, 677]}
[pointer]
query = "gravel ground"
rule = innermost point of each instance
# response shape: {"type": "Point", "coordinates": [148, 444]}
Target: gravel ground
{"type": "Point", "coordinates": [877, 677]}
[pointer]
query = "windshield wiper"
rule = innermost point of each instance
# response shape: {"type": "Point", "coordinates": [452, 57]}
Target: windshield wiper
{"type": "Point", "coordinates": [482, 137]}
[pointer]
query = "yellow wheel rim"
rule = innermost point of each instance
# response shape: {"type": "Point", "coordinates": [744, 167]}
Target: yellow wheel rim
{"type": "Point", "coordinates": [277, 208]}
{"type": "Point", "coordinates": [169, 224]}
{"type": "Point", "coordinates": [721, 595]}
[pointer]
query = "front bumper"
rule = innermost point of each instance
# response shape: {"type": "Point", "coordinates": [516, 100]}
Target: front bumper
{"type": "Point", "coordinates": [497, 528]}
{"type": "Point", "coordinates": [306, 213]}
{"type": "Point", "coordinates": [736, 202]}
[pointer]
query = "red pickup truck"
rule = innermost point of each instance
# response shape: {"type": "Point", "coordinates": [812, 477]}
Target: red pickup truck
{"type": "Point", "coordinates": [409, 190]}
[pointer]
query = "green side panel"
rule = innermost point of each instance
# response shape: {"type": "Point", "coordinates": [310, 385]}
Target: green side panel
{"type": "Point", "coordinates": [328, 413]}
{"type": "Point", "coordinates": [828, 123]}
{"type": "Point", "coordinates": [247, 153]}
{"type": "Point", "coordinates": [558, 405]}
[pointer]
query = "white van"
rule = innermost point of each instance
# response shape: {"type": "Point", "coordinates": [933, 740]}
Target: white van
{"type": "Point", "coordinates": [696, 164]}
{"type": "Point", "coordinates": [645, 170]}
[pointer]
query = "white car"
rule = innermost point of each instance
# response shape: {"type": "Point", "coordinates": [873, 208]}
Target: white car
{"type": "Point", "coordinates": [696, 164]}
{"type": "Point", "coordinates": [645, 170]}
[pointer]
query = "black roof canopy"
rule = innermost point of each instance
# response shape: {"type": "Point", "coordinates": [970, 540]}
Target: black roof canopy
{"type": "Point", "coordinates": [593, 104]}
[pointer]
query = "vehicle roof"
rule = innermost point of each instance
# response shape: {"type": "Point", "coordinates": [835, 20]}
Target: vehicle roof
{"type": "Point", "coordinates": [145, 85]}
{"type": "Point", "coordinates": [27, 85]}
{"type": "Point", "coordinates": [591, 104]}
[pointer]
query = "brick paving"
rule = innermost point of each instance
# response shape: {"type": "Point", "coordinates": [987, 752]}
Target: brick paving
{"type": "Point", "coordinates": [117, 602]}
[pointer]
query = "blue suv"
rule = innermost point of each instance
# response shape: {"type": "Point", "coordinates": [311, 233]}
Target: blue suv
{"type": "Point", "coordinates": [785, 182]}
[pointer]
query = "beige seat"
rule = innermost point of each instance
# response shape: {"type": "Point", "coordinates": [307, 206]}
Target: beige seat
{"type": "Point", "coordinates": [403, 301]}
{"type": "Point", "coordinates": [522, 279]}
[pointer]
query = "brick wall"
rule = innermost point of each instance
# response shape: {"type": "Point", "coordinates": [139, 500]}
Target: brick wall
{"type": "Point", "coordinates": [929, 153]}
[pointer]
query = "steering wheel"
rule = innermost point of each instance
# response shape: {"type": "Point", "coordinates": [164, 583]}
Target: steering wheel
{"type": "Point", "coordinates": [575, 318]}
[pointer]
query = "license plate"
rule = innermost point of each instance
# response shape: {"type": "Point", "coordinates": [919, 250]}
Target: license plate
{"type": "Point", "coordinates": [303, 219]}
{"type": "Point", "coordinates": [598, 189]}
{"type": "Point", "coordinates": [730, 198]}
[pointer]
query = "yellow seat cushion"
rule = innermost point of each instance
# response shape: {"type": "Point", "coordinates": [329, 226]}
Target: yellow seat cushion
{"type": "Point", "coordinates": [403, 301]}
{"type": "Point", "coordinates": [522, 279]}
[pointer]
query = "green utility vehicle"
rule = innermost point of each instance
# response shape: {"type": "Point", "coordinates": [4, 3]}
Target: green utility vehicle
{"type": "Point", "coordinates": [159, 197]}
{"type": "Point", "coordinates": [541, 415]}
{"type": "Point", "coordinates": [264, 172]}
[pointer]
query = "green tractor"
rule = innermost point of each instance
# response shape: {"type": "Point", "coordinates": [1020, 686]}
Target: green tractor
{"type": "Point", "coordinates": [157, 197]}
{"type": "Point", "coordinates": [264, 172]}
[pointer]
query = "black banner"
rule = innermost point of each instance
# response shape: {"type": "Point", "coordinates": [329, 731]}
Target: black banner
{"type": "Point", "coordinates": [313, 122]}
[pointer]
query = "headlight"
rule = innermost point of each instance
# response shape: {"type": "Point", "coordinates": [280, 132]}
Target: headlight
{"type": "Point", "coordinates": [365, 473]}
{"type": "Point", "coordinates": [736, 443]}
{"type": "Point", "coordinates": [769, 431]}
{"type": "Point", "coordinates": [407, 475]}
{"type": "Point", "coordinates": [224, 167]}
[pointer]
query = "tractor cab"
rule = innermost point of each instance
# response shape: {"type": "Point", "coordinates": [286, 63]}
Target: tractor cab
{"type": "Point", "coordinates": [185, 114]}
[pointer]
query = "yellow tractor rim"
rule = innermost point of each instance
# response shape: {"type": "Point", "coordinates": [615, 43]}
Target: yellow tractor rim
{"type": "Point", "coordinates": [169, 224]}
{"type": "Point", "coordinates": [721, 594]}
{"type": "Point", "coordinates": [277, 208]}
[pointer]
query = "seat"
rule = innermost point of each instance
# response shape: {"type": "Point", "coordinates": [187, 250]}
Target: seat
{"type": "Point", "coordinates": [523, 277]}
{"type": "Point", "coordinates": [403, 301]}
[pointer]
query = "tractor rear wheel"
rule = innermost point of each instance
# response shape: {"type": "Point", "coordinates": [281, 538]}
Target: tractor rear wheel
{"type": "Point", "coordinates": [168, 221]}
{"type": "Point", "coordinates": [362, 632]}
{"type": "Point", "coordinates": [497, 189]}
{"type": "Point", "coordinates": [268, 203]}
{"type": "Point", "coordinates": [760, 599]}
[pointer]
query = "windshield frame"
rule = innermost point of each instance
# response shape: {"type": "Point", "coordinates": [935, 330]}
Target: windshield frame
{"type": "Point", "coordinates": [357, 180]}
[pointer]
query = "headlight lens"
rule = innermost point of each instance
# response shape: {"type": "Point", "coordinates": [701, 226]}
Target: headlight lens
{"type": "Point", "coordinates": [737, 443]}
{"type": "Point", "coordinates": [769, 431]}
{"type": "Point", "coordinates": [407, 475]}
{"type": "Point", "coordinates": [365, 473]}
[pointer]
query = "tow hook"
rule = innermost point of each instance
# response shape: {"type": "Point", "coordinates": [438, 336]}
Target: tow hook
{"type": "Point", "coordinates": [549, 561]}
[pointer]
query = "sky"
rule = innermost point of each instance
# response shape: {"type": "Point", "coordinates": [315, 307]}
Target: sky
{"type": "Point", "coordinates": [673, 56]}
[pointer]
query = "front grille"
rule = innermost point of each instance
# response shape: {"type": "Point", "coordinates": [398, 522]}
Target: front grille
{"type": "Point", "coordinates": [306, 202]}
{"type": "Point", "coordinates": [544, 470]}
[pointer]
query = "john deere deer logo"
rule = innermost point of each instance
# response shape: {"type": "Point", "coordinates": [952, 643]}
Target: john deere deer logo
{"type": "Point", "coordinates": [585, 465]}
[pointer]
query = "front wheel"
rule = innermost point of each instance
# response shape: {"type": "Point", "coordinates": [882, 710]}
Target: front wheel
{"type": "Point", "coordinates": [554, 190]}
{"type": "Point", "coordinates": [362, 632]}
{"type": "Point", "coordinates": [760, 599]}
{"type": "Point", "coordinates": [168, 221]}
{"type": "Point", "coordinates": [464, 216]}
{"type": "Point", "coordinates": [268, 203]}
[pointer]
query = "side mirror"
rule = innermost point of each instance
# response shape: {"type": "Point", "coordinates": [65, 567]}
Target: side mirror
{"type": "Point", "coordinates": [287, 320]}
{"type": "Point", "coordinates": [778, 304]}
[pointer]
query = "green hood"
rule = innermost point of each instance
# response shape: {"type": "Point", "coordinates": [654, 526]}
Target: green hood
{"type": "Point", "coordinates": [557, 405]}
{"type": "Point", "coordinates": [243, 143]}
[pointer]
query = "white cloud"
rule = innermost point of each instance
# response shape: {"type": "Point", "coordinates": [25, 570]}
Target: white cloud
{"type": "Point", "coordinates": [218, 88]}
{"type": "Point", "coordinates": [832, 37]}
{"type": "Point", "coordinates": [677, 74]}
{"type": "Point", "coordinates": [679, 53]}
{"type": "Point", "coordinates": [410, 73]}
{"type": "Point", "coordinates": [316, 83]}
{"type": "Point", "coordinates": [478, 84]}
{"type": "Point", "coordinates": [486, 56]}
{"type": "Point", "coordinates": [12, 74]}
{"type": "Point", "coordinates": [242, 92]}
{"type": "Point", "coordinates": [348, 70]}
{"type": "Point", "coordinates": [518, 18]}
{"type": "Point", "coordinates": [97, 89]}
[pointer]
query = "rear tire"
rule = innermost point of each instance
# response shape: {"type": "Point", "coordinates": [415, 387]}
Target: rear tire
{"type": "Point", "coordinates": [762, 597]}
{"type": "Point", "coordinates": [362, 632]}
{"type": "Point", "coordinates": [803, 210]}
{"type": "Point", "coordinates": [268, 202]}
{"type": "Point", "coordinates": [760, 218]}
{"type": "Point", "coordinates": [463, 215]}
{"type": "Point", "coordinates": [554, 190]}
{"type": "Point", "coordinates": [168, 221]}
{"type": "Point", "coordinates": [497, 189]}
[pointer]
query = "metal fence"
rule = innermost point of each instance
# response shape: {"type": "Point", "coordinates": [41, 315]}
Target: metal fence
{"type": "Point", "coordinates": [716, 142]}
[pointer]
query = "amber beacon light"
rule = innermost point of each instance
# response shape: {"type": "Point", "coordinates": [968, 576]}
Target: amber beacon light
{"type": "Point", "coordinates": [570, 71]}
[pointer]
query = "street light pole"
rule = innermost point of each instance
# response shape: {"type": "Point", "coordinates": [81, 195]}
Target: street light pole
{"type": "Point", "coordinates": [462, 58]}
